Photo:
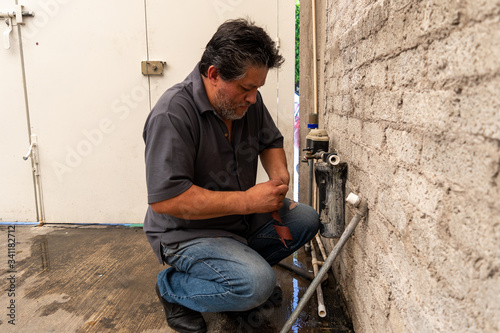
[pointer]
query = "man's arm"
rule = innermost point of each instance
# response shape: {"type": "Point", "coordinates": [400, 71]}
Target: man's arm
{"type": "Point", "coordinates": [274, 162]}
{"type": "Point", "coordinates": [199, 203]}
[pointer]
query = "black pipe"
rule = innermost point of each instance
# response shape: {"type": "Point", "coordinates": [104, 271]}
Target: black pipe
{"type": "Point", "coordinates": [331, 180]}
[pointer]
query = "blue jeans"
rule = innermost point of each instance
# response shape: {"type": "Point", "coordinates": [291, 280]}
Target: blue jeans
{"type": "Point", "coordinates": [223, 274]}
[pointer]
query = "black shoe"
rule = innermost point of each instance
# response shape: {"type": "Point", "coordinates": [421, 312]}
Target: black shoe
{"type": "Point", "coordinates": [258, 319]}
{"type": "Point", "coordinates": [182, 319]}
{"type": "Point", "coordinates": [276, 297]}
{"type": "Point", "coordinates": [265, 309]}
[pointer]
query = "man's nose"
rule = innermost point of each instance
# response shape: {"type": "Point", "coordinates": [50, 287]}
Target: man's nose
{"type": "Point", "coordinates": [251, 96]}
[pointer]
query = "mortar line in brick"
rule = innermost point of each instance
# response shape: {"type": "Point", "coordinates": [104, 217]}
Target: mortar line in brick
{"type": "Point", "coordinates": [425, 41]}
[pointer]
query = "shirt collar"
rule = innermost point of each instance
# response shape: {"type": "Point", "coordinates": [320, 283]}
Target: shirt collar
{"type": "Point", "coordinates": [199, 93]}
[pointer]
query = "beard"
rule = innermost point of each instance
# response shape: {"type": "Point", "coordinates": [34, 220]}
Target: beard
{"type": "Point", "coordinates": [227, 109]}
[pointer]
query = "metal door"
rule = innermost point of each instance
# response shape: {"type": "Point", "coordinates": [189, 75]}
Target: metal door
{"type": "Point", "coordinates": [88, 99]}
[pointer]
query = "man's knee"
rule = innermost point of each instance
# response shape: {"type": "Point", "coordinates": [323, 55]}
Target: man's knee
{"type": "Point", "coordinates": [258, 285]}
{"type": "Point", "coordinates": [312, 221]}
{"type": "Point", "coordinates": [306, 214]}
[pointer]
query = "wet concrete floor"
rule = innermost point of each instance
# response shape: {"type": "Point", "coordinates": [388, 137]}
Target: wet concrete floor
{"type": "Point", "coordinates": [63, 278]}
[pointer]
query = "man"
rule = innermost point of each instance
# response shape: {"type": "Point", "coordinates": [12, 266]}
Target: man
{"type": "Point", "coordinates": [207, 219]}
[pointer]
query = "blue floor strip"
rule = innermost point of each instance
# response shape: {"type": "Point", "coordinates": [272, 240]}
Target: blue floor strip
{"type": "Point", "coordinates": [131, 225]}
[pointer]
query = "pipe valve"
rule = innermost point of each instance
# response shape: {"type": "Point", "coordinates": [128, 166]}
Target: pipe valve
{"type": "Point", "coordinates": [330, 158]}
{"type": "Point", "coordinates": [317, 142]}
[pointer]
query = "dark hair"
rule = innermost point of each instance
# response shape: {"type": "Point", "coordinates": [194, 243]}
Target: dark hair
{"type": "Point", "coordinates": [237, 45]}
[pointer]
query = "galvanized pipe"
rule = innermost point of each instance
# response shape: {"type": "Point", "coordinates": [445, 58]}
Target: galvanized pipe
{"type": "Point", "coordinates": [311, 183]}
{"type": "Point", "coordinates": [322, 249]}
{"type": "Point", "coordinates": [360, 213]}
{"type": "Point", "coordinates": [319, 290]}
{"type": "Point", "coordinates": [297, 270]}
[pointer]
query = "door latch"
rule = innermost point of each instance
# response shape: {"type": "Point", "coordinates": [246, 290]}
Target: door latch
{"type": "Point", "coordinates": [33, 153]}
{"type": "Point", "coordinates": [152, 67]}
{"type": "Point", "coordinates": [13, 18]}
{"type": "Point", "coordinates": [6, 33]}
{"type": "Point", "coordinates": [28, 154]}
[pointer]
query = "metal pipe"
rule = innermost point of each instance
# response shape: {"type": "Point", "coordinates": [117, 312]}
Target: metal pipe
{"type": "Point", "coordinates": [311, 183]}
{"type": "Point", "coordinates": [300, 272]}
{"type": "Point", "coordinates": [315, 70]}
{"type": "Point", "coordinates": [322, 249]}
{"type": "Point", "coordinates": [319, 290]}
{"type": "Point", "coordinates": [315, 99]}
{"type": "Point", "coordinates": [360, 213]}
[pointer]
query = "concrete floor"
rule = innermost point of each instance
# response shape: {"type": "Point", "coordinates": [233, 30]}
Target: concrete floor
{"type": "Point", "coordinates": [63, 278]}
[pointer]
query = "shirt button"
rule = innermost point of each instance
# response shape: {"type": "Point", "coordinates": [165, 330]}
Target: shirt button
{"type": "Point", "coordinates": [226, 134]}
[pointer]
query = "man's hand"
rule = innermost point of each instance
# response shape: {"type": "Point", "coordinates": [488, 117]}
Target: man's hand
{"type": "Point", "coordinates": [265, 197]}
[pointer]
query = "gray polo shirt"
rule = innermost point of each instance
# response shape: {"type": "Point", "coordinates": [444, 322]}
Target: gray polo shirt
{"type": "Point", "coordinates": [187, 143]}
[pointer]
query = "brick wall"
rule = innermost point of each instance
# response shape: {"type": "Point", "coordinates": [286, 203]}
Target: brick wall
{"type": "Point", "coordinates": [411, 100]}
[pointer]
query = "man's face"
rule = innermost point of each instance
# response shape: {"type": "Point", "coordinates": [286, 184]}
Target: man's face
{"type": "Point", "coordinates": [232, 98]}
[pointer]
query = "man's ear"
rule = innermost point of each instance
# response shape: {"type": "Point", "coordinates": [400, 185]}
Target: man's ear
{"type": "Point", "coordinates": [213, 75]}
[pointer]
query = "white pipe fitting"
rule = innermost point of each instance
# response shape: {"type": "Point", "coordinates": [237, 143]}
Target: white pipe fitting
{"type": "Point", "coordinates": [353, 199]}
{"type": "Point", "coordinates": [334, 159]}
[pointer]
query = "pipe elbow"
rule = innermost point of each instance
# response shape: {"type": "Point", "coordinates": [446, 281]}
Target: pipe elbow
{"type": "Point", "coordinates": [360, 204]}
{"type": "Point", "coordinates": [362, 209]}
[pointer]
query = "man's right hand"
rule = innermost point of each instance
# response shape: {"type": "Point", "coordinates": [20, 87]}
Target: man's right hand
{"type": "Point", "coordinates": [265, 197]}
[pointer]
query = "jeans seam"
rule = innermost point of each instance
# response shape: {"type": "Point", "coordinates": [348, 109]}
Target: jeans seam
{"type": "Point", "coordinates": [266, 237]}
{"type": "Point", "coordinates": [280, 250]}
{"type": "Point", "coordinates": [208, 265]}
